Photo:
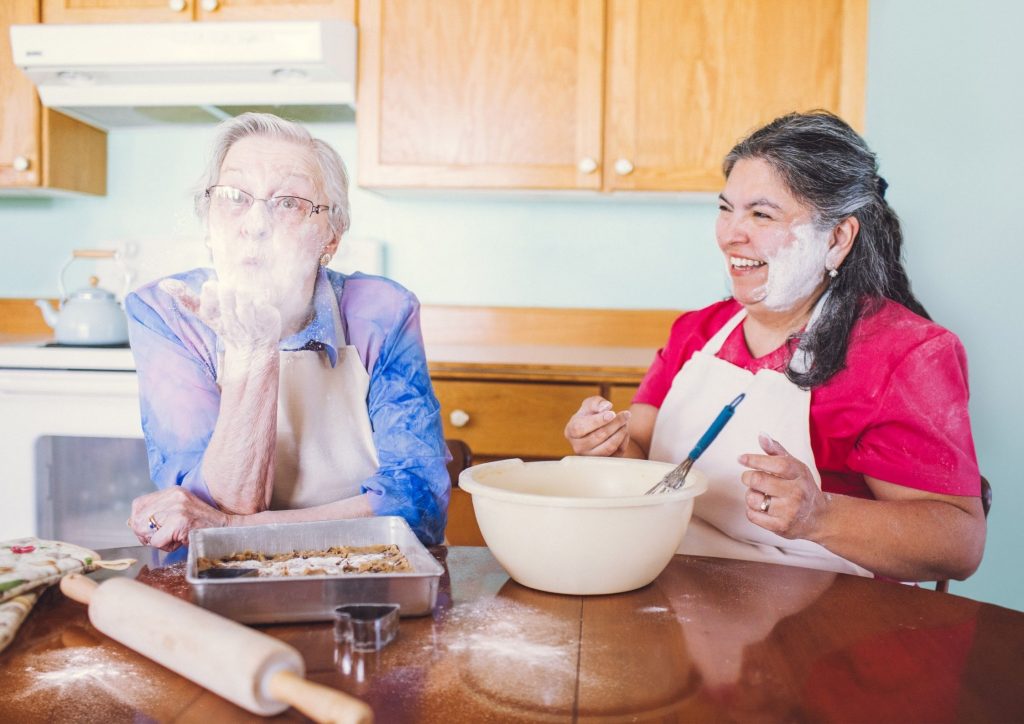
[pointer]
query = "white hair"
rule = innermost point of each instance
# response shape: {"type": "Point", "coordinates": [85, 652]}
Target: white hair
{"type": "Point", "coordinates": [333, 178]}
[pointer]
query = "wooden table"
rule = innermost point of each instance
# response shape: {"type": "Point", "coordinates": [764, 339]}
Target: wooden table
{"type": "Point", "coordinates": [709, 640]}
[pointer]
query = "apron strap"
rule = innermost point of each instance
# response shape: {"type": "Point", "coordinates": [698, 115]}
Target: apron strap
{"type": "Point", "coordinates": [715, 343]}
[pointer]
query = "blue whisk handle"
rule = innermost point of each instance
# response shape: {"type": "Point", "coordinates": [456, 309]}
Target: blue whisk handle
{"type": "Point", "coordinates": [716, 427]}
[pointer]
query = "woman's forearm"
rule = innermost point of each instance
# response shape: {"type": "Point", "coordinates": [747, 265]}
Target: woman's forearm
{"type": "Point", "coordinates": [909, 540]}
{"type": "Point", "coordinates": [355, 507]}
{"type": "Point", "coordinates": [238, 465]}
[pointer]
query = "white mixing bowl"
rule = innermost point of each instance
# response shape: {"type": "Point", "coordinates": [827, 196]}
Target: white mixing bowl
{"type": "Point", "coordinates": [580, 525]}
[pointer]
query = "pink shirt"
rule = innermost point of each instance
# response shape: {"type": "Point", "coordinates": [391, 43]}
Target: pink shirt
{"type": "Point", "coordinates": [897, 412]}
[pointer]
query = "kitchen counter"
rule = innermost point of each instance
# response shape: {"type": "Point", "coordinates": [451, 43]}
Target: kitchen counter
{"type": "Point", "coordinates": [710, 639]}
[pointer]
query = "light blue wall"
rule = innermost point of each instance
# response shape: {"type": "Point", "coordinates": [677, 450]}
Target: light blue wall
{"type": "Point", "coordinates": [944, 110]}
{"type": "Point", "coordinates": [945, 114]}
{"type": "Point", "coordinates": [551, 249]}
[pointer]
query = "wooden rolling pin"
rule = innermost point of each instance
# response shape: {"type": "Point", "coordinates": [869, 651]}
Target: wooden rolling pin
{"type": "Point", "coordinates": [244, 666]}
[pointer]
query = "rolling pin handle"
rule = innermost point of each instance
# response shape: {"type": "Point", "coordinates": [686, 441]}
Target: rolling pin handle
{"type": "Point", "coordinates": [78, 587]}
{"type": "Point", "coordinates": [320, 703]}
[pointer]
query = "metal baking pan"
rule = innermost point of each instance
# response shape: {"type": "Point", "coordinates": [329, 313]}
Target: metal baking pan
{"type": "Point", "coordinates": [312, 598]}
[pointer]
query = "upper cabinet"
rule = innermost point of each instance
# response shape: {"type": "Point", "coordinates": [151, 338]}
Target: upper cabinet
{"type": "Point", "coordinates": [146, 11]}
{"type": "Point", "coordinates": [686, 79]}
{"type": "Point", "coordinates": [644, 95]}
{"type": "Point", "coordinates": [41, 149]}
{"type": "Point", "coordinates": [471, 93]}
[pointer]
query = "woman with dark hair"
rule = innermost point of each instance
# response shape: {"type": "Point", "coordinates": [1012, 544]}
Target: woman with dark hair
{"type": "Point", "coordinates": [852, 450]}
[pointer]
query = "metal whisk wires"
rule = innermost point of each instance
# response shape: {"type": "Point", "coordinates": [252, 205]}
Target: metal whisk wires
{"type": "Point", "coordinates": [677, 476]}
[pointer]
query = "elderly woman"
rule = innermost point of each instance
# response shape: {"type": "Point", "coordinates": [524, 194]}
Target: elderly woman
{"type": "Point", "coordinates": [852, 449]}
{"type": "Point", "coordinates": [273, 389]}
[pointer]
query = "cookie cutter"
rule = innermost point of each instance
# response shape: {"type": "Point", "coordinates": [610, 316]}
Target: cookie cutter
{"type": "Point", "coordinates": [366, 626]}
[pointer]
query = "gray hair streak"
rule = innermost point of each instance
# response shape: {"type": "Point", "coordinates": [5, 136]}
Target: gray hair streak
{"type": "Point", "coordinates": [333, 178]}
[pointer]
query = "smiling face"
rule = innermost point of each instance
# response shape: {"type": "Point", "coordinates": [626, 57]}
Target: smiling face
{"type": "Point", "coordinates": [775, 255]}
{"type": "Point", "coordinates": [257, 250]}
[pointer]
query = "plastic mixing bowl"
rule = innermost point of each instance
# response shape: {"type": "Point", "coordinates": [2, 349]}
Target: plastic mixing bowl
{"type": "Point", "coordinates": [580, 525]}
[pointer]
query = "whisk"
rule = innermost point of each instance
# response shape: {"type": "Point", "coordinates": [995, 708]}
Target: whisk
{"type": "Point", "coordinates": [675, 478]}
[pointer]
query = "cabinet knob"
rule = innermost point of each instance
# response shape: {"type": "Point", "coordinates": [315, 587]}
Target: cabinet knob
{"type": "Point", "coordinates": [458, 418]}
{"type": "Point", "coordinates": [209, 5]}
{"type": "Point", "coordinates": [176, 6]}
{"type": "Point", "coordinates": [21, 163]}
{"type": "Point", "coordinates": [623, 167]}
{"type": "Point", "coordinates": [587, 165]}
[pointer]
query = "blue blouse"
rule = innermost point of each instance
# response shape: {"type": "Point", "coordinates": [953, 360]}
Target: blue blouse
{"type": "Point", "coordinates": [176, 358]}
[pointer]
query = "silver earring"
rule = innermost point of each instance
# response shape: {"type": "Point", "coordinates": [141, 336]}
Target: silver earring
{"type": "Point", "coordinates": [325, 260]}
{"type": "Point", "coordinates": [833, 273]}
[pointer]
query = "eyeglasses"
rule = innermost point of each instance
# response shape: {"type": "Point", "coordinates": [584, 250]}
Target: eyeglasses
{"type": "Point", "coordinates": [230, 201]}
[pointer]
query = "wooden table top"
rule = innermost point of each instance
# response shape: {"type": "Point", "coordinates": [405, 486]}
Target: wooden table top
{"type": "Point", "coordinates": [709, 640]}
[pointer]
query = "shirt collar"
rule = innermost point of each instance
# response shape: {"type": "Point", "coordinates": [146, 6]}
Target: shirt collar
{"type": "Point", "coordinates": [326, 330]}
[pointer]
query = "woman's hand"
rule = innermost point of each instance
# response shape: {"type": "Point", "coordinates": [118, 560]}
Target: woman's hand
{"type": "Point", "coordinates": [782, 495]}
{"type": "Point", "coordinates": [242, 321]}
{"type": "Point", "coordinates": [174, 511]}
{"type": "Point", "coordinates": [597, 430]}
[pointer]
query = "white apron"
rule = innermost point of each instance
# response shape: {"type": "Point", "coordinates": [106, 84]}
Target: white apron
{"type": "Point", "coordinates": [773, 405]}
{"type": "Point", "coordinates": [325, 444]}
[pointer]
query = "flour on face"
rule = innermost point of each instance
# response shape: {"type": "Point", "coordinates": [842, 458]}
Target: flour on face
{"type": "Point", "coordinates": [796, 269]}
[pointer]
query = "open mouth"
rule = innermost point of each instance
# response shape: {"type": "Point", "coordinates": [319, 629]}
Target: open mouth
{"type": "Point", "coordinates": [742, 263]}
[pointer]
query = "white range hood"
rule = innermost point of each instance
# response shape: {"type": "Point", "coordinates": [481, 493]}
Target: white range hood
{"type": "Point", "coordinates": [139, 74]}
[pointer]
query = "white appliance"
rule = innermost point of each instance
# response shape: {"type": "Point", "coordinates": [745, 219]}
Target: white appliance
{"type": "Point", "coordinates": [71, 437]}
{"type": "Point", "coordinates": [97, 72]}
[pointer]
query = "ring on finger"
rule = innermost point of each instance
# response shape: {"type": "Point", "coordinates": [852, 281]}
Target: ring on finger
{"type": "Point", "coordinates": [153, 525]}
{"type": "Point", "coordinates": [766, 503]}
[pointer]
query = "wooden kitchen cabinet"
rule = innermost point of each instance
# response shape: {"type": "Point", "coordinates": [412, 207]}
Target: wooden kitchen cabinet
{"type": "Point", "coordinates": [41, 149]}
{"type": "Point", "coordinates": [509, 378]}
{"type": "Point", "coordinates": [480, 93]}
{"type": "Point", "coordinates": [147, 11]}
{"type": "Point", "coordinates": [689, 78]}
{"type": "Point", "coordinates": [592, 94]}
{"type": "Point", "coordinates": [502, 419]}
{"type": "Point", "coordinates": [621, 396]}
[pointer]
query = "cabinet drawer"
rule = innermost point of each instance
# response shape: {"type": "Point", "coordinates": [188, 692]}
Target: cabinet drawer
{"type": "Point", "coordinates": [509, 419]}
{"type": "Point", "coordinates": [621, 396]}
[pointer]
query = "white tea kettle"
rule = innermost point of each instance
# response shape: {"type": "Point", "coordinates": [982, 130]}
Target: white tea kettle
{"type": "Point", "coordinates": [90, 316]}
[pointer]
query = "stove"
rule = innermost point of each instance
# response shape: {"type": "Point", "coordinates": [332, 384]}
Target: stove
{"type": "Point", "coordinates": [71, 438]}
{"type": "Point", "coordinates": [51, 356]}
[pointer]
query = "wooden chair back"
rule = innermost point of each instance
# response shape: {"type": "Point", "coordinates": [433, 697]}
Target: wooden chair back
{"type": "Point", "coordinates": [462, 529]}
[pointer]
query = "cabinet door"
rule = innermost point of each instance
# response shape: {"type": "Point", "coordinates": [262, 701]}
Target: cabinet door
{"type": "Point", "coordinates": [275, 9]}
{"type": "Point", "coordinates": [689, 78]}
{"type": "Point", "coordinates": [480, 93]}
{"type": "Point", "coordinates": [19, 121]}
{"type": "Point", "coordinates": [146, 11]}
{"type": "Point", "coordinates": [117, 11]}
{"type": "Point", "coordinates": [510, 419]}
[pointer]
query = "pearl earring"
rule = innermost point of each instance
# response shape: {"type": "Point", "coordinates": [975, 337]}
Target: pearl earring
{"type": "Point", "coordinates": [325, 260]}
{"type": "Point", "coordinates": [833, 273]}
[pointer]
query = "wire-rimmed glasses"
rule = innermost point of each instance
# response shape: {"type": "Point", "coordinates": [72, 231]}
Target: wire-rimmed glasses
{"type": "Point", "coordinates": [232, 201]}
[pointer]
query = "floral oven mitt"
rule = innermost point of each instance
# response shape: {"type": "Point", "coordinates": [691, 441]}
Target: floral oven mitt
{"type": "Point", "coordinates": [28, 565]}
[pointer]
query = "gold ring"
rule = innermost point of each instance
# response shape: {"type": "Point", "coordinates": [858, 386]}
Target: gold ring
{"type": "Point", "coordinates": [765, 504]}
{"type": "Point", "coordinates": [153, 525]}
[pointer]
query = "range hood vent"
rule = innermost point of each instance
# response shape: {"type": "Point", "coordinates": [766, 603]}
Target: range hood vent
{"type": "Point", "coordinates": [157, 73]}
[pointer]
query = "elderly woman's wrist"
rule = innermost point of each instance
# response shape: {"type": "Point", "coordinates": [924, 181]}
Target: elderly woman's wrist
{"type": "Point", "coordinates": [233, 520]}
{"type": "Point", "coordinates": [257, 352]}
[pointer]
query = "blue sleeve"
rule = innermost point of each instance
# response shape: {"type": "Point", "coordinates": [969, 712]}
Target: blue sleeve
{"type": "Point", "coordinates": [178, 397]}
{"type": "Point", "coordinates": [412, 480]}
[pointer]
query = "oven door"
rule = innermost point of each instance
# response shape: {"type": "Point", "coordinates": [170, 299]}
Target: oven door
{"type": "Point", "coordinates": [75, 455]}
